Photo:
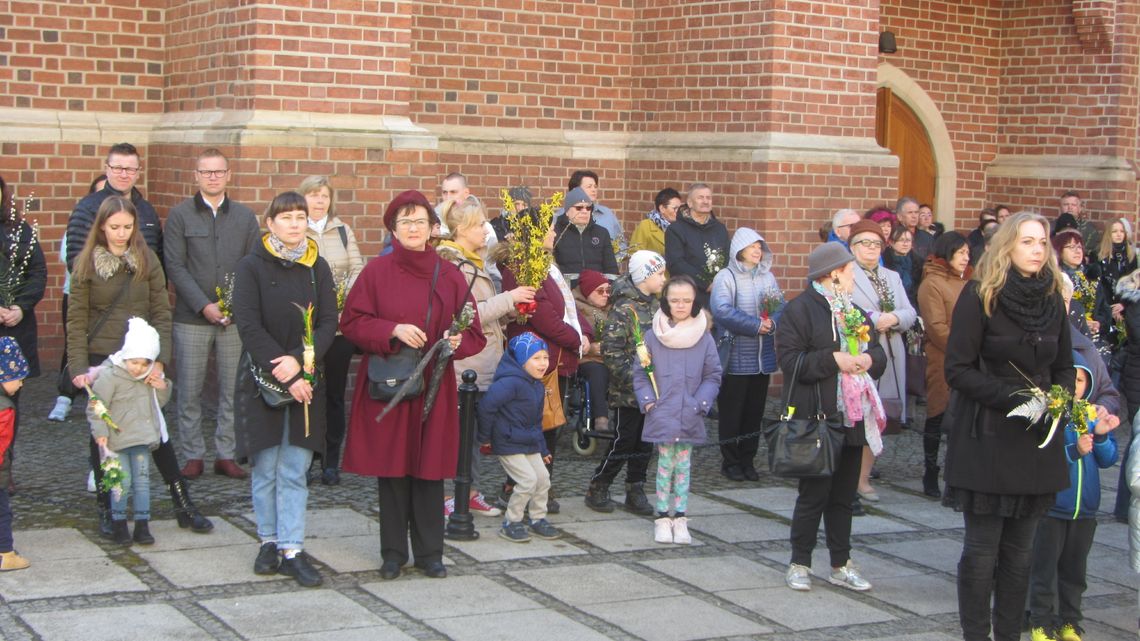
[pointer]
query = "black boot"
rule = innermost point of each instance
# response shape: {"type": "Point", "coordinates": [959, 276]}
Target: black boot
{"type": "Point", "coordinates": [635, 500]}
{"type": "Point", "coordinates": [188, 516]}
{"type": "Point", "coordinates": [120, 533]}
{"type": "Point", "coordinates": [930, 482]}
{"type": "Point", "coordinates": [103, 504]}
{"type": "Point", "coordinates": [142, 532]}
{"type": "Point", "coordinates": [598, 497]}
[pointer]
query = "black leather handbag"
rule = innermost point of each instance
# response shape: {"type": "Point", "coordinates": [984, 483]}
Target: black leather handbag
{"type": "Point", "coordinates": [271, 392]}
{"type": "Point", "coordinates": [800, 448]}
{"type": "Point", "coordinates": [387, 374]}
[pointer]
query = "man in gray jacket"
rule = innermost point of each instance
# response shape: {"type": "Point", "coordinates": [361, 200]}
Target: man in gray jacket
{"type": "Point", "coordinates": [206, 235]}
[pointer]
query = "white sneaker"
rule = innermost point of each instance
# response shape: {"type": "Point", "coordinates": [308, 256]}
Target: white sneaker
{"type": "Point", "coordinates": [61, 409]}
{"type": "Point", "coordinates": [663, 530]}
{"type": "Point", "coordinates": [91, 481]}
{"type": "Point", "coordinates": [798, 577]}
{"type": "Point", "coordinates": [849, 577]}
{"type": "Point", "coordinates": [681, 531]}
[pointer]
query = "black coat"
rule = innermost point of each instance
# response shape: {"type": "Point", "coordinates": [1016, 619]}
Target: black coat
{"type": "Point", "coordinates": [1130, 373]}
{"type": "Point", "coordinates": [685, 243]}
{"type": "Point", "coordinates": [83, 216]}
{"type": "Point", "coordinates": [998, 455]}
{"type": "Point", "coordinates": [30, 293]}
{"type": "Point", "coordinates": [591, 248]}
{"type": "Point", "coordinates": [807, 327]}
{"type": "Point", "coordinates": [265, 290]}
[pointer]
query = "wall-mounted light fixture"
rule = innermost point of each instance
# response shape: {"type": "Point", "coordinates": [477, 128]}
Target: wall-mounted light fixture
{"type": "Point", "coordinates": [887, 42]}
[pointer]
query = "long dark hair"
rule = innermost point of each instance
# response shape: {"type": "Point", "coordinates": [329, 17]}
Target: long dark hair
{"type": "Point", "coordinates": [85, 262]}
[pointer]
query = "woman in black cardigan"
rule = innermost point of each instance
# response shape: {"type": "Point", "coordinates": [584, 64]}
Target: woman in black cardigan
{"type": "Point", "coordinates": [1010, 317]}
{"type": "Point", "coordinates": [810, 328]}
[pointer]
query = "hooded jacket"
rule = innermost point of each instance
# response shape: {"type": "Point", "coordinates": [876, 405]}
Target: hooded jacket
{"type": "Point", "coordinates": [737, 307]}
{"type": "Point", "coordinates": [1128, 289]}
{"type": "Point", "coordinates": [688, 379]}
{"type": "Point", "coordinates": [618, 348]}
{"type": "Point", "coordinates": [686, 241]}
{"type": "Point", "coordinates": [510, 413]}
{"type": "Point", "coordinates": [588, 248]}
{"type": "Point", "coordinates": [132, 404]}
{"type": "Point", "coordinates": [1082, 498]}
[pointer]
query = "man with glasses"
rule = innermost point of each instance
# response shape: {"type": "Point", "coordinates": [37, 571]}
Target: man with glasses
{"type": "Point", "coordinates": [123, 170]}
{"type": "Point", "coordinates": [603, 215]}
{"type": "Point", "coordinates": [841, 223]}
{"type": "Point", "coordinates": [580, 243]}
{"type": "Point", "coordinates": [206, 235]}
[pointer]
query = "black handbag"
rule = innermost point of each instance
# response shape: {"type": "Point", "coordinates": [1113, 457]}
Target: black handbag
{"type": "Point", "coordinates": [388, 373]}
{"type": "Point", "coordinates": [803, 448]}
{"type": "Point", "coordinates": [271, 392]}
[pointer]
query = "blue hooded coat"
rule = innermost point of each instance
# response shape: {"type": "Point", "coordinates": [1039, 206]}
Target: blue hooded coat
{"type": "Point", "coordinates": [737, 296]}
{"type": "Point", "coordinates": [510, 413]}
{"type": "Point", "coordinates": [1082, 498]}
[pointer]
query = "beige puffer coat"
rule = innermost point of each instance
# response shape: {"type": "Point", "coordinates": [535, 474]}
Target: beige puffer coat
{"type": "Point", "coordinates": [343, 256]}
{"type": "Point", "coordinates": [494, 312]}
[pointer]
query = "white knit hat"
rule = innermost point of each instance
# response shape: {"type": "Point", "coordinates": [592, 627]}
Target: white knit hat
{"type": "Point", "coordinates": [643, 264]}
{"type": "Point", "coordinates": [141, 341]}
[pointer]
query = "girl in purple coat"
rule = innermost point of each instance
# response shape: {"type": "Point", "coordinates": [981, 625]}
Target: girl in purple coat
{"type": "Point", "coordinates": [676, 377]}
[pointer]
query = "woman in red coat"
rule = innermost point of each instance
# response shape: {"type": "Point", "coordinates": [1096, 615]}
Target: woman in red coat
{"type": "Point", "coordinates": [558, 322]}
{"type": "Point", "coordinates": [386, 311]}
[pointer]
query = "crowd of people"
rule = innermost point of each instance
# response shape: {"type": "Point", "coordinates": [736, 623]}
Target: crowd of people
{"type": "Point", "coordinates": [659, 330]}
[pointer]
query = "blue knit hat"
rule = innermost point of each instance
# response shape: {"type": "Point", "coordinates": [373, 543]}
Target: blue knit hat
{"type": "Point", "coordinates": [13, 365]}
{"type": "Point", "coordinates": [524, 346]}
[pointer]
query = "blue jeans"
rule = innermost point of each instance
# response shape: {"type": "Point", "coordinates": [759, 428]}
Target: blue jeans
{"type": "Point", "coordinates": [136, 484]}
{"type": "Point", "coordinates": [281, 492]}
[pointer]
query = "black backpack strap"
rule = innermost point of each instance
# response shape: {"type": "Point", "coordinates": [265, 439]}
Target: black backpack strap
{"type": "Point", "coordinates": [343, 236]}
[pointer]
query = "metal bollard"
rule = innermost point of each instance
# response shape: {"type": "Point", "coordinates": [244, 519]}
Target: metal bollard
{"type": "Point", "coordinates": [461, 525]}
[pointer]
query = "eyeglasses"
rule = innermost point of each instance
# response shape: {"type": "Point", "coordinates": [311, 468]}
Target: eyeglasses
{"type": "Point", "coordinates": [583, 207]}
{"type": "Point", "coordinates": [604, 291]}
{"type": "Point", "coordinates": [413, 222]}
{"type": "Point", "coordinates": [869, 244]}
{"type": "Point", "coordinates": [213, 173]}
{"type": "Point", "coordinates": [680, 301]}
{"type": "Point", "coordinates": [126, 171]}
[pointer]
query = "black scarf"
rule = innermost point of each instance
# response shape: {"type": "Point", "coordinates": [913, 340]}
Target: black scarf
{"type": "Point", "coordinates": [1024, 300]}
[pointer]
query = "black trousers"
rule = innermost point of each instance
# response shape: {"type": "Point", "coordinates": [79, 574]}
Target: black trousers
{"type": "Point", "coordinates": [1060, 556]}
{"type": "Point", "coordinates": [995, 561]}
{"type": "Point", "coordinates": [337, 361]}
{"type": "Point", "coordinates": [931, 438]}
{"type": "Point", "coordinates": [831, 498]}
{"type": "Point", "coordinates": [741, 406]}
{"type": "Point", "coordinates": [627, 448]}
{"type": "Point", "coordinates": [415, 504]}
{"type": "Point", "coordinates": [598, 379]}
{"type": "Point", "coordinates": [63, 383]}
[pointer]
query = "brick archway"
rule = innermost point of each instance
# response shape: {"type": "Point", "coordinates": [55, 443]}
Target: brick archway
{"type": "Point", "coordinates": [946, 172]}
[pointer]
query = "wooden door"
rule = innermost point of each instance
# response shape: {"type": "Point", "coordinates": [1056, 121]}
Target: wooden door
{"type": "Point", "coordinates": [897, 128]}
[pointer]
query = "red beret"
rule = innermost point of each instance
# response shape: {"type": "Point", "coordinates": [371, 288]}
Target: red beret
{"type": "Point", "coordinates": [409, 197]}
{"type": "Point", "coordinates": [589, 280]}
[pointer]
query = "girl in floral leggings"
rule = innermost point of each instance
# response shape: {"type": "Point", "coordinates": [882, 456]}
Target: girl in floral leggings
{"type": "Point", "coordinates": [676, 378]}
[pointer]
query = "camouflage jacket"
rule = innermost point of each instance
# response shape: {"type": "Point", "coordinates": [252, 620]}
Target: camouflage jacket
{"type": "Point", "coordinates": [617, 343]}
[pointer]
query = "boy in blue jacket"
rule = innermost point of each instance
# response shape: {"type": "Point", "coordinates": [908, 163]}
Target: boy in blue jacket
{"type": "Point", "coordinates": [1065, 535]}
{"type": "Point", "coordinates": [510, 424]}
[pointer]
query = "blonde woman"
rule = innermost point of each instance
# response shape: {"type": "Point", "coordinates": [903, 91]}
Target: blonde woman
{"type": "Point", "coordinates": [1010, 317]}
{"type": "Point", "coordinates": [337, 245]}
{"type": "Point", "coordinates": [1117, 258]}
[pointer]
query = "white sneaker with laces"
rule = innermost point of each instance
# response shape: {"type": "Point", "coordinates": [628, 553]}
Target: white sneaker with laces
{"type": "Point", "coordinates": [59, 413]}
{"type": "Point", "coordinates": [663, 530]}
{"type": "Point", "coordinates": [91, 481]}
{"type": "Point", "coordinates": [681, 531]}
{"type": "Point", "coordinates": [798, 577]}
{"type": "Point", "coordinates": [849, 577]}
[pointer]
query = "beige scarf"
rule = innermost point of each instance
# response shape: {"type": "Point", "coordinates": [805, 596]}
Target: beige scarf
{"type": "Point", "coordinates": [682, 335]}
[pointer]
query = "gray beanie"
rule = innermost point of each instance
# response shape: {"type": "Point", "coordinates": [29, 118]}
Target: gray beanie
{"type": "Point", "coordinates": [577, 195]}
{"type": "Point", "coordinates": [827, 258]}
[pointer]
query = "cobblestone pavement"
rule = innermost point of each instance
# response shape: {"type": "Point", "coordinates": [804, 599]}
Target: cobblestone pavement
{"type": "Point", "coordinates": [605, 579]}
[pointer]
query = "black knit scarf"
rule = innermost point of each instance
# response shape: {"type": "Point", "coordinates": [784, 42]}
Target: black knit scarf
{"type": "Point", "coordinates": [1024, 299]}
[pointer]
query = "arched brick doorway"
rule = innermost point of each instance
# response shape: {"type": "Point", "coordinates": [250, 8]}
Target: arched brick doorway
{"type": "Point", "coordinates": [898, 128]}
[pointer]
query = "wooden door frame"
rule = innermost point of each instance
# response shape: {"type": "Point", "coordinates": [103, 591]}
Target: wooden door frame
{"type": "Point", "coordinates": [945, 169]}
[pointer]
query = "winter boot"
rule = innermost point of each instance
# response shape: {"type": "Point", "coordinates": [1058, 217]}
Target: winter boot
{"type": "Point", "coordinates": [120, 533]}
{"type": "Point", "coordinates": [188, 516]}
{"type": "Point", "coordinates": [552, 504]}
{"type": "Point", "coordinates": [142, 532]}
{"type": "Point", "coordinates": [103, 504]}
{"type": "Point", "coordinates": [930, 482]}
{"type": "Point", "coordinates": [598, 497]}
{"type": "Point", "coordinates": [635, 500]}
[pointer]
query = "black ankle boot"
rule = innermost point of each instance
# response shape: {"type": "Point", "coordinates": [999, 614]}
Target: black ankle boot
{"type": "Point", "coordinates": [930, 482]}
{"type": "Point", "coordinates": [598, 497]}
{"type": "Point", "coordinates": [188, 516]}
{"type": "Point", "coordinates": [142, 532]}
{"type": "Point", "coordinates": [635, 500]}
{"type": "Point", "coordinates": [120, 533]}
{"type": "Point", "coordinates": [105, 530]}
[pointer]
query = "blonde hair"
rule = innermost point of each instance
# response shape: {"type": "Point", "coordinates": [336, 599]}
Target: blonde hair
{"type": "Point", "coordinates": [994, 266]}
{"type": "Point", "coordinates": [313, 184]}
{"type": "Point", "coordinates": [1106, 240]}
{"type": "Point", "coordinates": [463, 215]}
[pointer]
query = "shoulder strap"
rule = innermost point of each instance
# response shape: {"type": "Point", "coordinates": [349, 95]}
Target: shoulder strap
{"type": "Point", "coordinates": [790, 385]}
{"type": "Point", "coordinates": [343, 236]}
{"type": "Point", "coordinates": [93, 330]}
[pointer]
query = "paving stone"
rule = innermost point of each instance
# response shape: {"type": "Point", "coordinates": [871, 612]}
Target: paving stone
{"type": "Point", "coordinates": [53, 544]}
{"type": "Point", "coordinates": [891, 496]}
{"type": "Point", "coordinates": [456, 597]}
{"type": "Point", "coordinates": [67, 577]}
{"type": "Point", "coordinates": [765, 498]}
{"type": "Point", "coordinates": [820, 608]}
{"type": "Point", "coordinates": [338, 522]}
{"type": "Point", "coordinates": [491, 547]}
{"type": "Point", "coordinates": [927, 513]}
{"type": "Point", "coordinates": [1112, 534]}
{"type": "Point", "coordinates": [922, 594]}
{"type": "Point", "coordinates": [698, 505]}
{"type": "Point", "coordinates": [719, 572]}
{"type": "Point", "coordinates": [926, 636]}
{"type": "Point", "coordinates": [527, 625]}
{"type": "Point", "coordinates": [621, 536]}
{"type": "Point", "coordinates": [1113, 565]}
{"type": "Point", "coordinates": [367, 633]}
{"type": "Point", "coordinates": [588, 584]}
{"type": "Point", "coordinates": [873, 524]}
{"type": "Point", "coordinates": [150, 622]}
{"type": "Point", "coordinates": [574, 510]}
{"type": "Point", "coordinates": [293, 613]}
{"type": "Point", "coordinates": [940, 554]}
{"type": "Point", "coordinates": [1123, 619]}
{"type": "Point", "coordinates": [207, 566]}
{"type": "Point", "coordinates": [168, 536]}
{"type": "Point", "coordinates": [346, 553]}
{"type": "Point", "coordinates": [681, 618]}
{"type": "Point", "coordinates": [874, 567]}
{"type": "Point", "coordinates": [735, 528]}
